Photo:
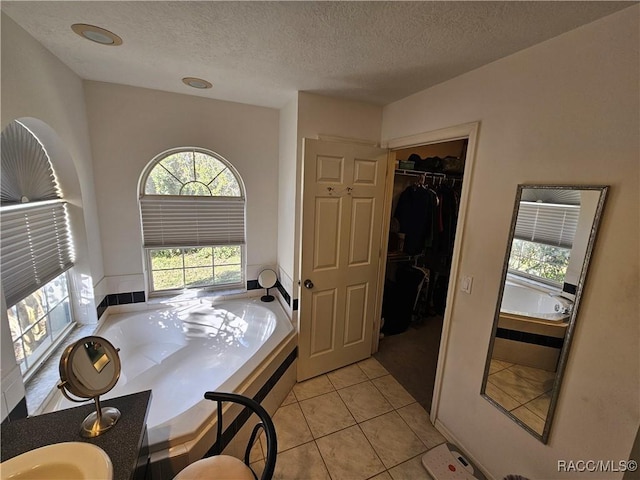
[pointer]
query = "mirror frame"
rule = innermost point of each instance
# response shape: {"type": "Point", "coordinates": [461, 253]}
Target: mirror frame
{"type": "Point", "coordinates": [564, 352]}
{"type": "Point", "coordinates": [266, 271]}
{"type": "Point", "coordinates": [70, 380]}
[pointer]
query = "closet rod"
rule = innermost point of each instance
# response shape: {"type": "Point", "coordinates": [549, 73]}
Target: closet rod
{"type": "Point", "coordinates": [418, 173]}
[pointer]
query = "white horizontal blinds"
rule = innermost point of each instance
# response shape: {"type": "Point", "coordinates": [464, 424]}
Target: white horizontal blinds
{"type": "Point", "coordinates": [179, 221]}
{"type": "Point", "coordinates": [27, 174]}
{"type": "Point", "coordinates": [550, 224]}
{"type": "Point", "coordinates": [36, 247]}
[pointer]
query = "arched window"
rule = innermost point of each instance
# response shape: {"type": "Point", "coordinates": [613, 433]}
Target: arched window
{"type": "Point", "coordinates": [36, 249]}
{"type": "Point", "coordinates": [192, 208]}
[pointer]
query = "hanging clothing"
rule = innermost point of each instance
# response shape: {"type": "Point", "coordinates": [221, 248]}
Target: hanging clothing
{"type": "Point", "coordinates": [415, 214]}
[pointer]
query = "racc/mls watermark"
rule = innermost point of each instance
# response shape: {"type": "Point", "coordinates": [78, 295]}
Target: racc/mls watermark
{"type": "Point", "coordinates": [597, 466]}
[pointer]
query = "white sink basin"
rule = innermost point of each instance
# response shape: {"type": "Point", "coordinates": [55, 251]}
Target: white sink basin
{"type": "Point", "coordinates": [60, 461]}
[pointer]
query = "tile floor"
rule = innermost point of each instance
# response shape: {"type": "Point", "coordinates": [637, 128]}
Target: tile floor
{"type": "Point", "coordinates": [354, 423]}
{"type": "Point", "coordinates": [524, 391]}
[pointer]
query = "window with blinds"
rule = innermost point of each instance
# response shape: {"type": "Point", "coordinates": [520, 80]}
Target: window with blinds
{"type": "Point", "coordinates": [543, 239]}
{"type": "Point", "coordinates": [547, 223]}
{"type": "Point", "coordinates": [36, 248]}
{"type": "Point", "coordinates": [36, 240]}
{"type": "Point", "coordinates": [192, 211]}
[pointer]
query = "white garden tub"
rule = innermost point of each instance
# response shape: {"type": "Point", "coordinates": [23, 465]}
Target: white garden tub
{"type": "Point", "coordinates": [531, 303]}
{"type": "Point", "coordinates": [180, 352]}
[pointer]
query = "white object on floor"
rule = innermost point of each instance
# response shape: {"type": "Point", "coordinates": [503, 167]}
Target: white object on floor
{"type": "Point", "coordinates": [445, 462]}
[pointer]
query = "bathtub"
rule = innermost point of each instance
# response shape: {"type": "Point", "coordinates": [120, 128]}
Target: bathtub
{"type": "Point", "coordinates": [531, 326]}
{"type": "Point", "coordinates": [530, 303]}
{"type": "Point", "coordinates": [182, 351]}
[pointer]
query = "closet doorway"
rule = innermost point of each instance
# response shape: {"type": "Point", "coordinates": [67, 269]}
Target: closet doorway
{"type": "Point", "coordinates": [424, 216]}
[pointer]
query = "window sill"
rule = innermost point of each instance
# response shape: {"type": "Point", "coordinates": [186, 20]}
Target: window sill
{"type": "Point", "coordinates": [41, 386]}
{"type": "Point", "coordinates": [189, 295]}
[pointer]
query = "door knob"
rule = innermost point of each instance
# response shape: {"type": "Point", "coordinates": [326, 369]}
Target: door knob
{"type": "Point", "coordinates": [308, 283]}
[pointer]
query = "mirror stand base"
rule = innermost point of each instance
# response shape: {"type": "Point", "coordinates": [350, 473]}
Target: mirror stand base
{"type": "Point", "coordinates": [267, 297]}
{"type": "Point", "coordinates": [99, 422]}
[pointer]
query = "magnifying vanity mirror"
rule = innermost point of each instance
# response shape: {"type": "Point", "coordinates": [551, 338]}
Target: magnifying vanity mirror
{"type": "Point", "coordinates": [552, 235]}
{"type": "Point", "coordinates": [89, 368]}
{"type": "Point", "coordinates": [267, 279]}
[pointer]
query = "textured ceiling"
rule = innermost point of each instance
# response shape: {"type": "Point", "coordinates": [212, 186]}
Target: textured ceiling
{"type": "Point", "coordinates": [261, 53]}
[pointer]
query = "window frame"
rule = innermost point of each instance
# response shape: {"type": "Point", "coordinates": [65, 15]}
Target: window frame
{"type": "Point", "coordinates": [530, 276]}
{"type": "Point", "coordinates": [174, 291]}
{"type": "Point", "coordinates": [38, 245]}
{"type": "Point", "coordinates": [148, 263]}
{"type": "Point", "coordinates": [32, 367]}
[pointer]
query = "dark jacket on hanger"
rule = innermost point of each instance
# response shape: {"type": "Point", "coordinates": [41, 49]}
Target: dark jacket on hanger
{"type": "Point", "coordinates": [414, 213]}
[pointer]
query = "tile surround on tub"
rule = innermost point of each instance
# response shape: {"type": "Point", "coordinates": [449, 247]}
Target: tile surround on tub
{"type": "Point", "coordinates": [126, 298]}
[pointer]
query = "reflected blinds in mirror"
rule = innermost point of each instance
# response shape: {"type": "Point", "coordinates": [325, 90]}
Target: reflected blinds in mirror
{"type": "Point", "coordinates": [550, 224]}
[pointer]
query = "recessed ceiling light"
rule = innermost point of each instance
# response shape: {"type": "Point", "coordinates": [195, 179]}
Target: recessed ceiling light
{"type": "Point", "coordinates": [96, 34]}
{"type": "Point", "coordinates": [196, 82]}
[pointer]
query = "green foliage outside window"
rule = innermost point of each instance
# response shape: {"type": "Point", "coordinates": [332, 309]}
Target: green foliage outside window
{"type": "Point", "coordinates": [192, 173]}
{"type": "Point", "coordinates": [178, 268]}
{"type": "Point", "coordinates": [538, 260]}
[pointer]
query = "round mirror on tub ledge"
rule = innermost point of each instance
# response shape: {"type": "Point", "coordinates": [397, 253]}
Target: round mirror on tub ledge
{"type": "Point", "coordinates": [267, 279]}
{"type": "Point", "coordinates": [89, 368]}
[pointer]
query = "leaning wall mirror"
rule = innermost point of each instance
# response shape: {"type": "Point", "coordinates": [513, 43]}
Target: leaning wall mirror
{"type": "Point", "coordinates": [89, 368]}
{"type": "Point", "coordinates": [552, 235]}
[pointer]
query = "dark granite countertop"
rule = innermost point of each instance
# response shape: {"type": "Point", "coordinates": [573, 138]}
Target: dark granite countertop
{"type": "Point", "coordinates": [122, 442]}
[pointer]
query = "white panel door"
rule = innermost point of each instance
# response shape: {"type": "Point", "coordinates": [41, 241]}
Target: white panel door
{"type": "Point", "coordinates": [343, 196]}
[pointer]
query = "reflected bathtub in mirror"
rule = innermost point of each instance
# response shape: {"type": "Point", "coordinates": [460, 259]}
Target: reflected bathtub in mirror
{"type": "Point", "coordinates": [551, 240]}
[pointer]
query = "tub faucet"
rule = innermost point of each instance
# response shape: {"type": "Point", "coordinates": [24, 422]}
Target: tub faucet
{"type": "Point", "coordinates": [567, 305]}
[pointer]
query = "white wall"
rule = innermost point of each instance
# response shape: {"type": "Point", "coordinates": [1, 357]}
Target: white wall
{"type": "Point", "coordinates": [288, 187]}
{"type": "Point", "coordinates": [40, 90]}
{"type": "Point", "coordinates": [129, 126]}
{"type": "Point", "coordinates": [562, 112]}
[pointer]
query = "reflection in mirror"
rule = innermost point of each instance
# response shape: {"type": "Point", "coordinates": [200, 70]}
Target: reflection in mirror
{"type": "Point", "coordinates": [552, 235]}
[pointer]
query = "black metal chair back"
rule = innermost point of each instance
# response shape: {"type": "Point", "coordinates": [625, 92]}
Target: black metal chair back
{"type": "Point", "coordinates": [265, 424]}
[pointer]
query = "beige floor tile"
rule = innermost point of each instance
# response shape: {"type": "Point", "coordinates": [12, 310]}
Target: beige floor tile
{"type": "Point", "coordinates": [410, 470]}
{"type": "Point", "coordinates": [347, 376]}
{"type": "Point", "coordinates": [291, 427]}
{"type": "Point", "coordinates": [418, 420]}
{"type": "Point", "coordinates": [395, 393]}
{"type": "Point", "coordinates": [348, 455]}
{"type": "Point", "coordinates": [530, 418]}
{"type": "Point", "coordinates": [382, 476]}
{"type": "Point", "coordinates": [540, 405]}
{"type": "Point", "coordinates": [289, 399]}
{"type": "Point", "coordinates": [515, 386]}
{"type": "Point", "coordinates": [392, 439]}
{"type": "Point", "coordinates": [256, 451]}
{"type": "Point", "coordinates": [312, 387]}
{"type": "Point", "coordinates": [372, 368]}
{"type": "Point", "coordinates": [364, 401]}
{"type": "Point", "coordinates": [500, 364]}
{"type": "Point", "coordinates": [501, 397]}
{"type": "Point", "coordinates": [326, 414]}
{"type": "Point", "coordinates": [258, 467]}
{"type": "Point", "coordinates": [497, 365]}
{"type": "Point", "coordinates": [536, 376]}
{"type": "Point", "coordinates": [302, 462]}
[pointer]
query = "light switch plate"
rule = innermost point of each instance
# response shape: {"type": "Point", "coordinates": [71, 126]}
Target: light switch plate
{"type": "Point", "coordinates": [465, 283]}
